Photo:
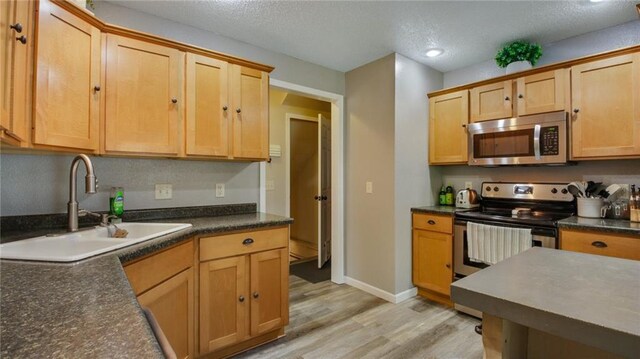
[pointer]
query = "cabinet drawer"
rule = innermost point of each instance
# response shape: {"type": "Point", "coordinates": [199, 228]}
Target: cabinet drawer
{"type": "Point", "coordinates": [627, 247]}
{"type": "Point", "coordinates": [242, 243]}
{"type": "Point", "coordinates": [433, 222]}
{"type": "Point", "coordinates": [153, 270]}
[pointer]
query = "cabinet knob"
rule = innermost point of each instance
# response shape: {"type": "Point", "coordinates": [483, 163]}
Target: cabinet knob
{"type": "Point", "coordinates": [247, 241]}
{"type": "Point", "coordinates": [464, 126]}
{"type": "Point", "coordinates": [224, 108]}
{"type": "Point", "coordinates": [174, 100]}
{"type": "Point", "coordinates": [96, 88]}
{"type": "Point", "coordinates": [507, 98]}
{"type": "Point", "coordinates": [520, 96]}
{"type": "Point", "coordinates": [22, 39]}
{"type": "Point", "coordinates": [17, 27]}
{"type": "Point", "coordinates": [241, 299]}
{"type": "Point", "coordinates": [599, 244]}
{"type": "Point", "coordinates": [576, 110]}
{"type": "Point", "coordinates": [238, 110]}
{"type": "Point", "coordinates": [448, 265]}
{"type": "Point", "coordinates": [256, 295]}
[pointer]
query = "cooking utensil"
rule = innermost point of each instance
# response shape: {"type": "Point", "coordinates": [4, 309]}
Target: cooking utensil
{"type": "Point", "coordinates": [614, 191]}
{"type": "Point", "coordinates": [575, 189]}
{"type": "Point", "coordinates": [592, 189]}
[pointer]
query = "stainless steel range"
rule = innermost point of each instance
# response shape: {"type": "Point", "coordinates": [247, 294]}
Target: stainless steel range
{"type": "Point", "coordinates": [535, 206]}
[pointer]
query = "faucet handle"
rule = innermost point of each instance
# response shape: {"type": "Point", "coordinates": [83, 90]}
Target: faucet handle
{"type": "Point", "coordinates": [84, 212]}
{"type": "Point", "coordinates": [104, 219]}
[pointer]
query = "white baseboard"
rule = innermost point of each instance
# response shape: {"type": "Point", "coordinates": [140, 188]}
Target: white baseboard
{"type": "Point", "coordinates": [383, 294]}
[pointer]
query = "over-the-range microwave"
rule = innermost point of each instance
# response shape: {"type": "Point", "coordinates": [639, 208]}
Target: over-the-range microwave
{"type": "Point", "coordinates": [528, 140]}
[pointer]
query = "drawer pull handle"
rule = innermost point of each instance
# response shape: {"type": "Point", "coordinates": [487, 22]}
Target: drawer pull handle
{"type": "Point", "coordinates": [241, 299]}
{"type": "Point", "coordinates": [247, 241]}
{"type": "Point", "coordinates": [431, 222]}
{"type": "Point", "coordinates": [256, 295]}
{"type": "Point", "coordinates": [599, 244]}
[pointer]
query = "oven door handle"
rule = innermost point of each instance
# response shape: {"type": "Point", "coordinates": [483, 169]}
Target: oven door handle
{"type": "Point", "coordinates": [543, 232]}
{"type": "Point", "coordinates": [536, 141]}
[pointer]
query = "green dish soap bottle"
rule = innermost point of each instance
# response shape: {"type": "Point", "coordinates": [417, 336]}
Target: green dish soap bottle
{"type": "Point", "coordinates": [442, 199]}
{"type": "Point", "coordinates": [116, 201]}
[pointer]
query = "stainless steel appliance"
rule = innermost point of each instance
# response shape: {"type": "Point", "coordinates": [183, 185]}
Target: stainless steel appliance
{"type": "Point", "coordinates": [529, 140]}
{"type": "Point", "coordinates": [467, 198]}
{"type": "Point", "coordinates": [537, 206]}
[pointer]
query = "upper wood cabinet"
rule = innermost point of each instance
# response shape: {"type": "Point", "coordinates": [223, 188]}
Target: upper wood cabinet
{"type": "Point", "coordinates": [207, 111]}
{"type": "Point", "coordinates": [250, 107]}
{"type": "Point", "coordinates": [16, 62]}
{"type": "Point", "coordinates": [492, 101]}
{"type": "Point", "coordinates": [143, 97]}
{"type": "Point", "coordinates": [542, 92]}
{"type": "Point", "coordinates": [448, 118]}
{"type": "Point", "coordinates": [67, 81]}
{"type": "Point", "coordinates": [605, 96]}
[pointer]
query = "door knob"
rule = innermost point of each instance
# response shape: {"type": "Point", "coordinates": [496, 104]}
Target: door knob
{"type": "Point", "coordinates": [17, 27]}
{"type": "Point", "coordinates": [22, 39]}
{"type": "Point", "coordinates": [324, 198]}
{"type": "Point", "coordinates": [317, 198]}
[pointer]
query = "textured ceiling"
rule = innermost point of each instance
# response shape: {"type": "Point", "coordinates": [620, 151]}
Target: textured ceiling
{"type": "Point", "coordinates": [343, 35]}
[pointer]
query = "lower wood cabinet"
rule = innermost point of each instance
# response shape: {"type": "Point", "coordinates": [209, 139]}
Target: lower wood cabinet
{"type": "Point", "coordinates": [244, 280]}
{"type": "Point", "coordinates": [432, 256]}
{"type": "Point", "coordinates": [601, 243]}
{"type": "Point", "coordinates": [164, 283]}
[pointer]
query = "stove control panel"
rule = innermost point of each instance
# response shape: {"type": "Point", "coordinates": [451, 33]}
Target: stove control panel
{"type": "Point", "coordinates": [532, 191]}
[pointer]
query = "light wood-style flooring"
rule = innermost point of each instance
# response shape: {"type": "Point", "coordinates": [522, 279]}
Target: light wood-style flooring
{"type": "Point", "coordinates": [338, 321]}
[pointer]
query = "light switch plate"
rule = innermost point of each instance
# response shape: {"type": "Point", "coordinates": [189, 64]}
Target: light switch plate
{"type": "Point", "coordinates": [164, 191]}
{"type": "Point", "coordinates": [219, 189]}
{"type": "Point", "coordinates": [368, 187]}
{"type": "Point", "coordinates": [468, 185]}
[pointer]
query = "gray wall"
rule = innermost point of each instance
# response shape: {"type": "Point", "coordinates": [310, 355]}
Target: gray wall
{"type": "Point", "coordinates": [287, 68]}
{"type": "Point", "coordinates": [369, 142]}
{"type": "Point", "coordinates": [414, 179]}
{"type": "Point", "coordinates": [35, 184]}
{"type": "Point", "coordinates": [623, 171]}
{"type": "Point", "coordinates": [611, 38]}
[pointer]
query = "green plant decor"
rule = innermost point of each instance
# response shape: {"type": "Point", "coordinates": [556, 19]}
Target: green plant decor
{"type": "Point", "coordinates": [518, 51]}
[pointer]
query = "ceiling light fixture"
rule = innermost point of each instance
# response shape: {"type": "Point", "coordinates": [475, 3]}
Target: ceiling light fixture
{"type": "Point", "coordinates": [434, 52]}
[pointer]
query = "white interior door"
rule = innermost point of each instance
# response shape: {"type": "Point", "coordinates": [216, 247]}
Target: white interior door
{"type": "Point", "coordinates": [324, 190]}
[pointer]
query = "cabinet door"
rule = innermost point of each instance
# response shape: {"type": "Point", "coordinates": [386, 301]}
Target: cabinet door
{"type": "Point", "coordinates": [143, 98]}
{"type": "Point", "coordinates": [224, 302]}
{"type": "Point", "coordinates": [207, 107]}
{"type": "Point", "coordinates": [606, 108]}
{"type": "Point", "coordinates": [543, 92]}
{"type": "Point", "coordinates": [432, 261]}
{"type": "Point", "coordinates": [491, 102]}
{"type": "Point", "coordinates": [171, 302]}
{"type": "Point", "coordinates": [448, 118]}
{"type": "Point", "coordinates": [269, 290]}
{"type": "Point", "coordinates": [68, 69]}
{"type": "Point", "coordinates": [250, 98]}
{"type": "Point", "coordinates": [22, 71]}
{"type": "Point", "coordinates": [7, 36]}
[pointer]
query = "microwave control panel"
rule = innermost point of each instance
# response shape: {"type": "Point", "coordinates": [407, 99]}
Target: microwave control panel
{"type": "Point", "coordinates": [549, 141]}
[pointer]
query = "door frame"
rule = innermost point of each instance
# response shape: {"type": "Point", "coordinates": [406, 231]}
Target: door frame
{"type": "Point", "coordinates": [337, 171]}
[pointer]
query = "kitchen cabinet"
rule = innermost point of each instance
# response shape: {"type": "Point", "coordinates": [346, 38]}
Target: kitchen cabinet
{"type": "Point", "coordinates": [243, 290]}
{"type": "Point", "coordinates": [164, 283]}
{"type": "Point", "coordinates": [143, 113]}
{"type": "Point", "coordinates": [491, 102]}
{"type": "Point", "coordinates": [448, 118]}
{"type": "Point", "coordinates": [207, 107]}
{"type": "Point", "coordinates": [601, 243]}
{"type": "Point", "coordinates": [67, 97]}
{"type": "Point", "coordinates": [16, 62]}
{"type": "Point", "coordinates": [605, 97]}
{"type": "Point", "coordinates": [432, 256]}
{"type": "Point", "coordinates": [542, 92]}
{"type": "Point", "coordinates": [250, 106]}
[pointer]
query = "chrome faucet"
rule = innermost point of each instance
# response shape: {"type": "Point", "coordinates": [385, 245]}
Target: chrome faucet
{"type": "Point", "coordinates": [90, 186]}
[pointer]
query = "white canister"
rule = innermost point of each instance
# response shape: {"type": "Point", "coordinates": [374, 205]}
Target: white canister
{"type": "Point", "coordinates": [591, 207]}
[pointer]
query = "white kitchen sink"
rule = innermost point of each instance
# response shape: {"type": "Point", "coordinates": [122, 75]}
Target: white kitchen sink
{"type": "Point", "coordinates": [69, 247]}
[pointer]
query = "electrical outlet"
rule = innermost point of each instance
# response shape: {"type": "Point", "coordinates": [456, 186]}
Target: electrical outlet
{"type": "Point", "coordinates": [468, 185]}
{"type": "Point", "coordinates": [368, 187]}
{"type": "Point", "coordinates": [164, 191]}
{"type": "Point", "coordinates": [219, 189]}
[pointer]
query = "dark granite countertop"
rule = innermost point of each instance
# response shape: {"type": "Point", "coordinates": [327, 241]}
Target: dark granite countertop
{"type": "Point", "coordinates": [613, 226]}
{"type": "Point", "coordinates": [438, 209]}
{"type": "Point", "coordinates": [88, 309]}
{"type": "Point", "coordinates": [587, 298]}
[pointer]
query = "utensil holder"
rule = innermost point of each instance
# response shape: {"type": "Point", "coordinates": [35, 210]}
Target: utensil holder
{"type": "Point", "coordinates": [591, 207]}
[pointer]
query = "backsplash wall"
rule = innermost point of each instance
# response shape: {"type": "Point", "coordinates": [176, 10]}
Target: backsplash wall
{"type": "Point", "coordinates": [39, 184]}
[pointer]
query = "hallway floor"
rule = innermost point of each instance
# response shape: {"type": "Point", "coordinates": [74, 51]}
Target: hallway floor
{"type": "Point", "coordinates": [339, 321]}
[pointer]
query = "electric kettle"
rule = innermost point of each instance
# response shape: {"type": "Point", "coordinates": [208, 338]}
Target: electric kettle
{"type": "Point", "coordinates": [467, 198]}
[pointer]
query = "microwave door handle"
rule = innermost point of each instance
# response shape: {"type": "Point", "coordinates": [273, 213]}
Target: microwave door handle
{"type": "Point", "coordinates": [536, 141]}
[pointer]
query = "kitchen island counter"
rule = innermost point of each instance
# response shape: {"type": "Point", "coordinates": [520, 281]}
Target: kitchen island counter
{"type": "Point", "coordinates": [88, 309]}
{"type": "Point", "coordinates": [588, 299]}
